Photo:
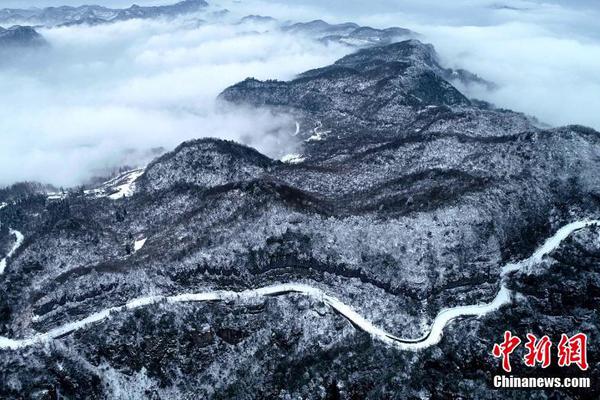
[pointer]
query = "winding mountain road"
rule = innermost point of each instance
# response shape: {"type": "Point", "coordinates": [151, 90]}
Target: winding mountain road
{"type": "Point", "coordinates": [18, 242]}
{"type": "Point", "coordinates": [433, 337]}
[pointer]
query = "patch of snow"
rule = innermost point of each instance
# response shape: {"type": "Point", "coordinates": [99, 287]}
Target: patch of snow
{"type": "Point", "coordinates": [318, 135]}
{"type": "Point", "coordinates": [426, 108]}
{"type": "Point", "coordinates": [293, 158]}
{"type": "Point", "coordinates": [56, 195]}
{"type": "Point", "coordinates": [138, 244]}
{"type": "Point", "coordinates": [128, 188]}
{"type": "Point", "coordinates": [118, 187]}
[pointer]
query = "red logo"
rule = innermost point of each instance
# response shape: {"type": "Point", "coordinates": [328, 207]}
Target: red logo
{"type": "Point", "coordinates": [538, 351]}
{"type": "Point", "coordinates": [571, 350]}
{"type": "Point", "coordinates": [505, 348]}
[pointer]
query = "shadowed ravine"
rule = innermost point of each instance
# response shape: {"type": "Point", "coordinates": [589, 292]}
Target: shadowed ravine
{"type": "Point", "coordinates": [431, 338]}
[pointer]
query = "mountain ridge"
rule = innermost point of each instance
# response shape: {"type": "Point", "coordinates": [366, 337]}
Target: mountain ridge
{"type": "Point", "coordinates": [94, 14]}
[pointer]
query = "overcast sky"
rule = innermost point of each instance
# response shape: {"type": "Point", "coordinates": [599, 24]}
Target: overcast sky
{"type": "Point", "coordinates": [108, 95]}
{"type": "Point", "coordinates": [49, 3]}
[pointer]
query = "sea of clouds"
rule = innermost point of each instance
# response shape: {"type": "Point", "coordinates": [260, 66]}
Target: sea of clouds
{"type": "Point", "coordinates": [112, 95]}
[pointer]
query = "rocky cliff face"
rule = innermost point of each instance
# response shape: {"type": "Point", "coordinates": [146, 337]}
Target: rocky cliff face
{"type": "Point", "coordinates": [406, 197]}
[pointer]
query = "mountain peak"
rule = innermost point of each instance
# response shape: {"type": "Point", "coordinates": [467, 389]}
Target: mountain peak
{"type": "Point", "coordinates": [205, 163]}
{"type": "Point", "coordinates": [411, 50]}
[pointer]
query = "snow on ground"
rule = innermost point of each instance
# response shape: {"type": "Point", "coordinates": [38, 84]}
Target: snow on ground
{"type": "Point", "coordinates": [126, 185]}
{"type": "Point", "coordinates": [318, 134]}
{"type": "Point", "coordinates": [16, 245]}
{"type": "Point", "coordinates": [56, 196]}
{"type": "Point", "coordinates": [293, 158]}
{"type": "Point", "coordinates": [115, 188]}
{"type": "Point", "coordinates": [138, 244]}
{"type": "Point", "coordinates": [433, 337]}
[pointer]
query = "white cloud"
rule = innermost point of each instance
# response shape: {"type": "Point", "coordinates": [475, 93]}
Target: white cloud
{"type": "Point", "coordinates": [107, 95]}
{"type": "Point", "coordinates": [553, 78]}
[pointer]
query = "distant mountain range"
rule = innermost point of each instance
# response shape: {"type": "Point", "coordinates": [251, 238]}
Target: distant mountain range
{"type": "Point", "coordinates": [347, 33]}
{"type": "Point", "coordinates": [94, 14]}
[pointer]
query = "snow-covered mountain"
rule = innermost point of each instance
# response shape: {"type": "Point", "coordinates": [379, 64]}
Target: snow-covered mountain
{"type": "Point", "coordinates": [349, 33]}
{"type": "Point", "coordinates": [95, 14]}
{"type": "Point", "coordinates": [217, 272]}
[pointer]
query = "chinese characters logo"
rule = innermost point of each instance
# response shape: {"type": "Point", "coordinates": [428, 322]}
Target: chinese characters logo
{"type": "Point", "coordinates": [570, 350]}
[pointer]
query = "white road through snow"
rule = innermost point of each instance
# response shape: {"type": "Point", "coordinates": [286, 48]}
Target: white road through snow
{"type": "Point", "coordinates": [433, 337]}
{"type": "Point", "coordinates": [16, 245]}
